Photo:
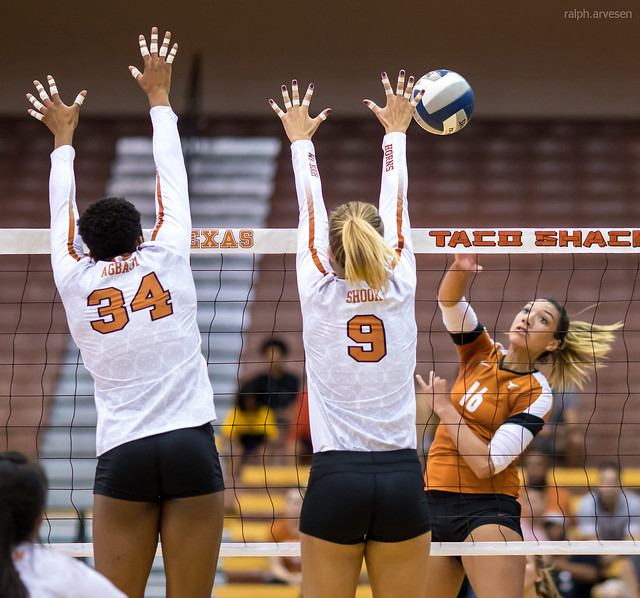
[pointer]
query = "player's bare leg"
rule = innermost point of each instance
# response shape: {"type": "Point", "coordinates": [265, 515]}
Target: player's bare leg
{"type": "Point", "coordinates": [125, 539]}
{"type": "Point", "coordinates": [444, 577]}
{"type": "Point", "coordinates": [484, 571]}
{"type": "Point", "coordinates": [330, 569]}
{"type": "Point", "coordinates": [398, 568]}
{"type": "Point", "coordinates": [191, 530]}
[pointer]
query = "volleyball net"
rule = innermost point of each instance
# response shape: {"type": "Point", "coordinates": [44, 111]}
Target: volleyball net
{"type": "Point", "coordinates": [245, 280]}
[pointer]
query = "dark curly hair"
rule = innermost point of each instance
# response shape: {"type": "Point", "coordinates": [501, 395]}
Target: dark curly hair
{"type": "Point", "coordinates": [110, 227]}
{"type": "Point", "coordinates": [23, 494]}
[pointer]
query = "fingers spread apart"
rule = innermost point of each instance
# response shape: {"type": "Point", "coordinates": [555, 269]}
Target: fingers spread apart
{"type": "Point", "coordinates": [53, 88]}
{"type": "Point", "coordinates": [416, 99]}
{"type": "Point", "coordinates": [307, 96]}
{"type": "Point", "coordinates": [285, 97]}
{"type": "Point", "coordinates": [143, 46]}
{"type": "Point", "coordinates": [387, 86]}
{"type": "Point", "coordinates": [154, 41]}
{"type": "Point", "coordinates": [135, 73]}
{"type": "Point", "coordinates": [409, 88]}
{"type": "Point", "coordinates": [153, 49]}
{"type": "Point", "coordinates": [165, 43]}
{"type": "Point", "coordinates": [276, 108]}
{"type": "Point", "coordinates": [371, 105]}
{"type": "Point", "coordinates": [400, 85]}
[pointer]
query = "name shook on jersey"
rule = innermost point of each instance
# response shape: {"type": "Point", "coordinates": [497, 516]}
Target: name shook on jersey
{"type": "Point", "coordinates": [120, 267]}
{"type": "Point", "coordinates": [364, 295]}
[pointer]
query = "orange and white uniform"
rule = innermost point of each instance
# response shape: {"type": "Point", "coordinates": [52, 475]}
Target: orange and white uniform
{"type": "Point", "coordinates": [504, 408]}
{"type": "Point", "coordinates": [134, 318]}
{"type": "Point", "coordinates": [360, 344]}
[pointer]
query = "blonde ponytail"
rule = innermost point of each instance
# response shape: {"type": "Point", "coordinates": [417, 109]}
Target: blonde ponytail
{"type": "Point", "coordinates": [357, 244]}
{"type": "Point", "coordinates": [545, 588]}
{"type": "Point", "coordinates": [582, 346]}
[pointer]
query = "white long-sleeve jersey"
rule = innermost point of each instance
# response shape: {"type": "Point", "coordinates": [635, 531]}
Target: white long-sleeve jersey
{"type": "Point", "coordinates": [360, 344]}
{"type": "Point", "coordinates": [134, 318]}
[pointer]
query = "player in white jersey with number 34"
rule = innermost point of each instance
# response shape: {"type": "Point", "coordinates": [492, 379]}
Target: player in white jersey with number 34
{"type": "Point", "coordinates": [131, 306]}
{"type": "Point", "coordinates": [357, 279]}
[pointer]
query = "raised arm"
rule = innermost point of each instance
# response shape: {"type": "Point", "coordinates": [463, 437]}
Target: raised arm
{"type": "Point", "coordinates": [313, 226]}
{"type": "Point", "coordinates": [61, 120]}
{"type": "Point", "coordinates": [173, 217]}
{"type": "Point", "coordinates": [395, 117]}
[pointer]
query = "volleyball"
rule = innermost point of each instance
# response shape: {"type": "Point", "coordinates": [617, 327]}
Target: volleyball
{"type": "Point", "coordinates": [447, 103]}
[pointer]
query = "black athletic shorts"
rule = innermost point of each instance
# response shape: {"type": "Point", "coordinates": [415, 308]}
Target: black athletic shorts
{"type": "Point", "coordinates": [175, 464]}
{"type": "Point", "coordinates": [454, 515]}
{"type": "Point", "coordinates": [358, 496]}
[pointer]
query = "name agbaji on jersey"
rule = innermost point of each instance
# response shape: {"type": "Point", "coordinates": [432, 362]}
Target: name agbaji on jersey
{"type": "Point", "coordinates": [119, 267]}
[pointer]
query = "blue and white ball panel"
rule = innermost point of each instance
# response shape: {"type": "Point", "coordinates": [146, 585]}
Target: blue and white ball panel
{"type": "Point", "coordinates": [447, 104]}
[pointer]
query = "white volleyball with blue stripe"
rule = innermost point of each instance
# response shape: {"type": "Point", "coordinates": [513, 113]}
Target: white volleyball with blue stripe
{"type": "Point", "coordinates": [447, 103]}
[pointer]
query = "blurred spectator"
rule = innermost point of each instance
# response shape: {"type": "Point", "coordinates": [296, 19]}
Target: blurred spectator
{"type": "Point", "coordinates": [533, 513]}
{"type": "Point", "coordinates": [536, 469]}
{"type": "Point", "coordinates": [574, 574]}
{"type": "Point", "coordinates": [287, 569]}
{"type": "Point", "coordinates": [300, 430]}
{"type": "Point", "coordinates": [276, 388]}
{"type": "Point", "coordinates": [609, 512]}
{"type": "Point", "coordinates": [612, 588]}
{"type": "Point", "coordinates": [248, 427]}
{"type": "Point", "coordinates": [562, 436]}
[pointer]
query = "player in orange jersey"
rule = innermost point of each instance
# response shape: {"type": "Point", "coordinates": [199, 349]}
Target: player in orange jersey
{"type": "Point", "coordinates": [496, 406]}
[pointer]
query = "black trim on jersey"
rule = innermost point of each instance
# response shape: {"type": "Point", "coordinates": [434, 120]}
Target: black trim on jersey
{"type": "Point", "coordinates": [533, 423]}
{"type": "Point", "coordinates": [464, 338]}
{"type": "Point", "coordinates": [504, 369]}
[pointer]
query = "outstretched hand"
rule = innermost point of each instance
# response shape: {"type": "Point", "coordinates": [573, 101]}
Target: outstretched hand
{"type": "Point", "coordinates": [296, 120]}
{"type": "Point", "coordinates": [61, 119]}
{"type": "Point", "coordinates": [436, 389]}
{"type": "Point", "coordinates": [155, 81]}
{"type": "Point", "coordinates": [396, 115]}
{"type": "Point", "coordinates": [467, 262]}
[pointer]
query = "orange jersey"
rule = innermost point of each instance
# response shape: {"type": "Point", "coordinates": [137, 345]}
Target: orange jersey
{"type": "Point", "coordinates": [487, 396]}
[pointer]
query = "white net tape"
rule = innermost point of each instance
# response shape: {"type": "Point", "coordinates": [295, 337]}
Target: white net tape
{"type": "Point", "coordinates": [425, 240]}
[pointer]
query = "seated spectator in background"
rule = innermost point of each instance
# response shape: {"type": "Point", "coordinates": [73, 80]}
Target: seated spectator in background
{"type": "Point", "coordinates": [28, 570]}
{"type": "Point", "coordinates": [612, 588]}
{"type": "Point", "coordinates": [574, 574]}
{"type": "Point", "coordinates": [538, 582]}
{"type": "Point", "coordinates": [287, 569]}
{"type": "Point", "coordinates": [248, 427]}
{"type": "Point", "coordinates": [300, 430]}
{"type": "Point", "coordinates": [536, 469]}
{"type": "Point", "coordinates": [276, 388]}
{"type": "Point", "coordinates": [533, 515]}
{"type": "Point", "coordinates": [609, 512]}
{"type": "Point", "coordinates": [562, 436]}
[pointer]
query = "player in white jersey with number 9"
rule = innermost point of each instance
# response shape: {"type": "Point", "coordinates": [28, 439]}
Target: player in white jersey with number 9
{"type": "Point", "coordinates": [357, 278]}
{"type": "Point", "coordinates": [131, 307]}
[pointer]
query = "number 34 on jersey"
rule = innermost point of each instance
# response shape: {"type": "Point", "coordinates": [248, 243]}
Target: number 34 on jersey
{"type": "Point", "coordinates": [112, 309]}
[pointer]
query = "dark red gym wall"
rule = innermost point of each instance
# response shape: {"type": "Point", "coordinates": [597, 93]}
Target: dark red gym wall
{"type": "Point", "coordinates": [524, 59]}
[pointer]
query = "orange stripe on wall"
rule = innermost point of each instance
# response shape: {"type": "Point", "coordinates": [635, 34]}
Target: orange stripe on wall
{"type": "Point", "coordinates": [156, 230]}
{"type": "Point", "coordinates": [312, 248]}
